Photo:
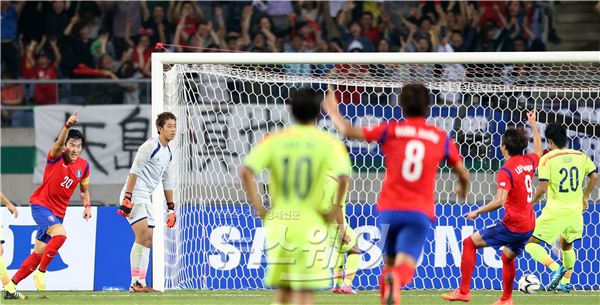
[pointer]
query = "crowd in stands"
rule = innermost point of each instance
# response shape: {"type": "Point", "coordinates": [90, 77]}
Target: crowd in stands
{"type": "Point", "coordinates": [115, 39]}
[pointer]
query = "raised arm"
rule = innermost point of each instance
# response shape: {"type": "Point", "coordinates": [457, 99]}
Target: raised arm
{"type": "Point", "coordinates": [330, 105]}
{"type": "Point", "coordinates": [62, 137]}
{"type": "Point", "coordinates": [56, 51]}
{"type": "Point", "coordinates": [537, 140]}
{"type": "Point", "coordinates": [541, 189]}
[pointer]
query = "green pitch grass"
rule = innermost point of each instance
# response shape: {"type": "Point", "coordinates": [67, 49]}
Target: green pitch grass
{"type": "Point", "coordinates": [262, 297]}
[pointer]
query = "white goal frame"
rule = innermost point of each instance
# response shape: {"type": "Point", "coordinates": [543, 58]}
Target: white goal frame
{"type": "Point", "coordinates": [158, 93]}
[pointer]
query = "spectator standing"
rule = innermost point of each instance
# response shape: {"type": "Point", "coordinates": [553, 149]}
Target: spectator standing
{"type": "Point", "coordinates": [157, 21]}
{"type": "Point", "coordinates": [56, 19]}
{"type": "Point", "coordinates": [123, 12]}
{"type": "Point", "coordinates": [8, 34]}
{"type": "Point", "coordinates": [78, 42]}
{"type": "Point", "coordinates": [42, 68]}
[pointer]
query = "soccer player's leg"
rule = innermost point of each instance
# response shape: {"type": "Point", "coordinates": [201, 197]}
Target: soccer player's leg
{"type": "Point", "coordinates": [573, 232]}
{"type": "Point", "coordinates": [514, 246]}
{"type": "Point", "coordinates": [389, 229]}
{"type": "Point", "coordinates": [58, 235]}
{"type": "Point", "coordinates": [9, 287]}
{"type": "Point", "coordinates": [351, 261]}
{"type": "Point", "coordinates": [548, 227]}
{"type": "Point", "coordinates": [142, 224]}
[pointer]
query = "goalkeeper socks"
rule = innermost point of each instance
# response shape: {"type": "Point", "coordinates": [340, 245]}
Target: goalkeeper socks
{"type": "Point", "coordinates": [51, 250]}
{"type": "Point", "coordinates": [27, 267]}
{"type": "Point", "coordinates": [467, 264]}
{"type": "Point", "coordinates": [569, 259]}
{"type": "Point", "coordinates": [351, 267]}
{"type": "Point", "coordinates": [135, 258]}
{"type": "Point", "coordinates": [145, 260]}
{"type": "Point", "coordinates": [509, 270]}
{"type": "Point", "coordinates": [539, 254]}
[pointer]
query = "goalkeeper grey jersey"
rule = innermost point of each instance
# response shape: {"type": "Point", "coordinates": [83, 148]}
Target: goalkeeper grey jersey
{"type": "Point", "coordinates": [152, 164]}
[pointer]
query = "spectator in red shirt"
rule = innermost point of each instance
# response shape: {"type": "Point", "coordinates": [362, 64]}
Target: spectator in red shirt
{"type": "Point", "coordinates": [369, 31]}
{"type": "Point", "coordinates": [42, 68]}
{"type": "Point", "coordinates": [143, 51]}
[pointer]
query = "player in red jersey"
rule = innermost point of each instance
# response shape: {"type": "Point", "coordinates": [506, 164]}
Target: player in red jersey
{"type": "Point", "coordinates": [64, 170]}
{"type": "Point", "coordinates": [413, 151]}
{"type": "Point", "coordinates": [515, 193]}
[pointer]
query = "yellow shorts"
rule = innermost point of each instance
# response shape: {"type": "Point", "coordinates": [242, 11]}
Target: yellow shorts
{"type": "Point", "coordinates": [297, 256]}
{"type": "Point", "coordinates": [551, 225]}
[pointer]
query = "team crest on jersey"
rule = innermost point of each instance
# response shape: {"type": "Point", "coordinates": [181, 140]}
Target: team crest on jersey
{"type": "Point", "coordinates": [51, 218]}
{"type": "Point", "coordinates": [78, 173]}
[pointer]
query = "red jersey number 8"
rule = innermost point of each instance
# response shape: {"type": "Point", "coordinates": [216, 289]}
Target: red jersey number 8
{"type": "Point", "coordinates": [412, 167]}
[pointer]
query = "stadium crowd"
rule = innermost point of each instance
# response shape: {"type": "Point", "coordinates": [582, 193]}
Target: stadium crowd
{"type": "Point", "coordinates": [114, 39]}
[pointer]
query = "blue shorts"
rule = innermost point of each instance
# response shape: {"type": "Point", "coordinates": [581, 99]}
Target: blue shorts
{"type": "Point", "coordinates": [44, 219]}
{"type": "Point", "coordinates": [404, 232]}
{"type": "Point", "coordinates": [499, 235]}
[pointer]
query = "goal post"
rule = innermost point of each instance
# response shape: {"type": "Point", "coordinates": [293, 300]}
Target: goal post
{"type": "Point", "coordinates": [225, 102]}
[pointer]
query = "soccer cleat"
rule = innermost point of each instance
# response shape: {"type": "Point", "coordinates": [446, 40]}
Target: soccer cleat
{"type": "Point", "coordinates": [566, 288]}
{"type": "Point", "coordinates": [39, 280]}
{"type": "Point", "coordinates": [137, 287]}
{"type": "Point", "coordinates": [391, 291]}
{"type": "Point", "coordinates": [14, 296]}
{"type": "Point", "coordinates": [555, 277]}
{"type": "Point", "coordinates": [505, 302]}
{"type": "Point", "coordinates": [347, 290]}
{"type": "Point", "coordinates": [456, 295]}
{"type": "Point", "coordinates": [336, 289]}
{"type": "Point", "coordinates": [149, 289]}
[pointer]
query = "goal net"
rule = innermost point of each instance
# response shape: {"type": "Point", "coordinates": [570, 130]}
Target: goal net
{"type": "Point", "coordinates": [223, 110]}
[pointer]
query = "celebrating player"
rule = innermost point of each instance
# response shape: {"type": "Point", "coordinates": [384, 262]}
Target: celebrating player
{"type": "Point", "coordinates": [298, 158]}
{"type": "Point", "coordinates": [413, 150]}
{"type": "Point", "coordinates": [64, 170]}
{"type": "Point", "coordinates": [11, 291]}
{"type": "Point", "coordinates": [346, 251]}
{"type": "Point", "coordinates": [515, 193]}
{"type": "Point", "coordinates": [563, 170]}
{"type": "Point", "coordinates": [152, 164]}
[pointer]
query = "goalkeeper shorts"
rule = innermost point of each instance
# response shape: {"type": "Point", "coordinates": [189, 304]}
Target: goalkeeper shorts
{"type": "Point", "coordinates": [552, 225]}
{"type": "Point", "coordinates": [142, 208]}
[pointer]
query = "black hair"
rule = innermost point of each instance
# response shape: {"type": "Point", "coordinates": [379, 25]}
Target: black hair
{"type": "Point", "coordinates": [367, 13]}
{"type": "Point", "coordinates": [305, 104]}
{"type": "Point", "coordinates": [414, 100]}
{"type": "Point", "coordinates": [557, 133]}
{"type": "Point", "coordinates": [515, 141]}
{"type": "Point", "coordinates": [75, 134]}
{"type": "Point", "coordinates": [162, 118]}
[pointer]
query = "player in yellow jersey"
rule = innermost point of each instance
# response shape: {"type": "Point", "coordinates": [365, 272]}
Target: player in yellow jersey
{"type": "Point", "coordinates": [296, 225]}
{"type": "Point", "coordinates": [11, 291]}
{"type": "Point", "coordinates": [345, 249]}
{"type": "Point", "coordinates": [561, 173]}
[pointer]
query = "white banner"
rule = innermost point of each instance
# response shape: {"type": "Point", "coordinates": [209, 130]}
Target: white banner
{"type": "Point", "coordinates": [72, 268]}
{"type": "Point", "coordinates": [113, 134]}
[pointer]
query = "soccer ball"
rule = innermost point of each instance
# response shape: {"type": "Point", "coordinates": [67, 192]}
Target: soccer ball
{"type": "Point", "coordinates": [529, 284]}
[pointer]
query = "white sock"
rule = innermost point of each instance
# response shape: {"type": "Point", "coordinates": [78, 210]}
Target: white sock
{"type": "Point", "coordinates": [145, 259]}
{"type": "Point", "coordinates": [135, 258]}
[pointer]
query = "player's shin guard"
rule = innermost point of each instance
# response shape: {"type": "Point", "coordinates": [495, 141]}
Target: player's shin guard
{"type": "Point", "coordinates": [467, 265]}
{"type": "Point", "coordinates": [135, 259]}
{"type": "Point", "coordinates": [144, 265]}
{"type": "Point", "coordinates": [51, 250]}
{"type": "Point", "coordinates": [351, 267]}
{"type": "Point", "coordinates": [569, 259]}
{"type": "Point", "coordinates": [539, 254]}
{"type": "Point", "coordinates": [509, 270]}
{"type": "Point", "coordinates": [27, 267]}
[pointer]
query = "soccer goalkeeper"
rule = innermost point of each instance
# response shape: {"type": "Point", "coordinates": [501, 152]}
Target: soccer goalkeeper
{"type": "Point", "coordinates": [561, 174]}
{"type": "Point", "coordinates": [344, 247]}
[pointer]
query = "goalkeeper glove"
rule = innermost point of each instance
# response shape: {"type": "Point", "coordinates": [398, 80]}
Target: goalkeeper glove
{"type": "Point", "coordinates": [126, 205]}
{"type": "Point", "coordinates": [171, 215]}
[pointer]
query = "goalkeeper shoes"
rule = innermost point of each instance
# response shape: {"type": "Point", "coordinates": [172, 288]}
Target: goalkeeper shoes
{"type": "Point", "coordinates": [456, 295]}
{"type": "Point", "coordinates": [566, 288]}
{"type": "Point", "coordinates": [555, 277]}
{"type": "Point", "coordinates": [39, 280]}
{"type": "Point", "coordinates": [336, 289]}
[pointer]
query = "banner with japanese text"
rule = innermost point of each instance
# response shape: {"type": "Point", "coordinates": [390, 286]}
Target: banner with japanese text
{"type": "Point", "coordinates": [112, 135]}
